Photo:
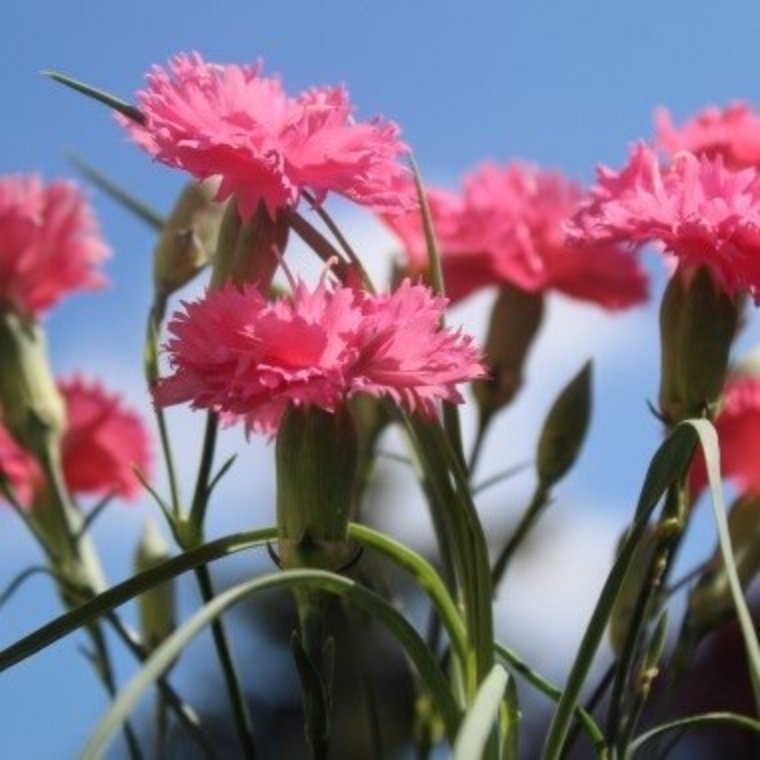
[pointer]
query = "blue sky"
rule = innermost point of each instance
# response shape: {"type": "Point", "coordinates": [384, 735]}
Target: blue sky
{"type": "Point", "coordinates": [563, 84]}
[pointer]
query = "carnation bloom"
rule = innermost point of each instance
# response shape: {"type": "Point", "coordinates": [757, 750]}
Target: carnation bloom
{"type": "Point", "coordinates": [732, 133]}
{"type": "Point", "coordinates": [235, 353]}
{"type": "Point", "coordinates": [102, 444]}
{"type": "Point", "coordinates": [508, 227]}
{"type": "Point", "coordinates": [738, 426]}
{"type": "Point", "coordinates": [266, 146]}
{"type": "Point", "coordinates": [49, 243]}
{"type": "Point", "coordinates": [696, 208]}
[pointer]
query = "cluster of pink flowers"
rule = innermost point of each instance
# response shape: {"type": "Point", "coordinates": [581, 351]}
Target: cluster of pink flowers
{"type": "Point", "coordinates": [236, 353]}
{"type": "Point", "coordinates": [266, 146]}
{"type": "Point", "coordinates": [102, 444]}
{"type": "Point", "coordinates": [508, 227]}
{"type": "Point", "coordinates": [49, 243]}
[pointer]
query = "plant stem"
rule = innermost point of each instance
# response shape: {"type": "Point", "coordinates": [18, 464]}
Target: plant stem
{"type": "Point", "coordinates": [484, 422]}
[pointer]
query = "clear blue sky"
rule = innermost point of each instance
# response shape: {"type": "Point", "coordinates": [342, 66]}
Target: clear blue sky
{"type": "Point", "coordinates": [566, 84]}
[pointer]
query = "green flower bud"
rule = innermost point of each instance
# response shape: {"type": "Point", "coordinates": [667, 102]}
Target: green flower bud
{"type": "Point", "coordinates": [698, 322]}
{"type": "Point", "coordinates": [515, 320]}
{"type": "Point", "coordinates": [188, 239]}
{"type": "Point", "coordinates": [157, 605]}
{"type": "Point", "coordinates": [316, 458]}
{"type": "Point", "coordinates": [32, 408]}
{"type": "Point", "coordinates": [710, 602]}
{"type": "Point", "coordinates": [564, 429]}
{"type": "Point", "coordinates": [248, 252]}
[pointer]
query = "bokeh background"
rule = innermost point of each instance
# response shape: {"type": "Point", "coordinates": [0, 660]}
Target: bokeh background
{"type": "Point", "coordinates": [567, 85]}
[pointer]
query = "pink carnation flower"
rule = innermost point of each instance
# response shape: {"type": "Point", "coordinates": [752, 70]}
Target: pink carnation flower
{"type": "Point", "coordinates": [695, 207]}
{"type": "Point", "coordinates": [508, 227]}
{"type": "Point", "coordinates": [732, 133]}
{"type": "Point", "coordinates": [102, 444]}
{"type": "Point", "coordinates": [232, 122]}
{"type": "Point", "coordinates": [738, 426]}
{"type": "Point", "coordinates": [49, 243]}
{"type": "Point", "coordinates": [235, 353]}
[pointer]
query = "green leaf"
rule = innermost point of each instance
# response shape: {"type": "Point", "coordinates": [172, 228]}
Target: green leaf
{"type": "Point", "coordinates": [510, 724]}
{"type": "Point", "coordinates": [708, 439]}
{"type": "Point", "coordinates": [367, 600]}
{"type": "Point", "coordinates": [668, 464]}
{"type": "Point", "coordinates": [130, 111]}
{"type": "Point", "coordinates": [693, 721]}
{"type": "Point", "coordinates": [482, 715]}
{"type": "Point", "coordinates": [117, 595]}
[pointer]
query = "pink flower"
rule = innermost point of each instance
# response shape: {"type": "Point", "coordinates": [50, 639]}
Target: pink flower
{"type": "Point", "coordinates": [732, 133]}
{"type": "Point", "coordinates": [49, 243]}
{"type": "Point", "coordinates": [738, 426]}
{"type": "Point", "coordinates": [236, 353]}
{"type": "Point", "coordinates": [696, 208]}
{"type": "Point", "coordinates": [232, 122]}
{"type": "Point", "coordinates": [102, 444]}
{"type": "Point", "coordinates": [508, 227]}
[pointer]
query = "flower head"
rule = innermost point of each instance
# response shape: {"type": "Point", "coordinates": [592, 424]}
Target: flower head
{"type": "Point", "coordinates": [266, 146]}
{"type": "Point", "coordinates": [240, 355]}
{"type": "Point", "coordinates": [49, 243]}
{"type": "Point", "coordinates": [732, 133]}
{"type": "Point", "coordinates": [695, 207]}
{"type": "Point", "coordinates": [738, 426]}
{"type": "Point", "coordinates": [102, 443]}
{"type": "Point", "coordinates": [508, 227]}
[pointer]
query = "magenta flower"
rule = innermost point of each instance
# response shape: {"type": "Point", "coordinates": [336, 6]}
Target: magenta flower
{"type": "Point", "coordinates": [508, 227]}
{"type": "Point", "coordinates": [49, 243]}
{"type": "Point", "coordinates": [102, 444]}
{"type": "Point", "coordinates": [696, 208]}
{"type": "Point", "coordinates": [732, 133]}
{"type": "Point", "coordinates": [738, 426]}
{"type": "Point", "coordinates": [267, 147]}
{"type": "Point", "coordinates": [235, 353]}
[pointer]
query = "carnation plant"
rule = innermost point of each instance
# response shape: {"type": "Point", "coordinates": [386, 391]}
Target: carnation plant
{"type": "Point", "coordinates": [324, 369]}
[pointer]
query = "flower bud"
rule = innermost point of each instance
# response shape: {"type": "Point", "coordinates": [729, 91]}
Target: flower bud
{"type": "Point", "coordinates": [249, 252]}
{"type": "Point", "coordinates": [32, 408]}
{"type": "Point", "coordinates": [157, 604]}
{"type": "Point", "coordinates": [316, 458]}
{"type": "Point", "coordinates": [698, 322]}
{"type": "Point", "coordinates": [188, 239]}
{"type": "Point", "coordinates": [515, 320]}
{"type": "Point", "coordinates": [710, 602]}
{"type": "Point", "coordinates": [564, 429]}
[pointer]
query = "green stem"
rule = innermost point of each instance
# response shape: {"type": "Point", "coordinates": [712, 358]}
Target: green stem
{"type": "Point", "coordinates": [527, 521]}
{"type": "Point", "coordinates": [201, 494]}
{"type": "Point", "coordinates": [484, 422]}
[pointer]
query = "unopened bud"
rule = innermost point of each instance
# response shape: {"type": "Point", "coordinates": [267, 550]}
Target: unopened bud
{"type": "Point", "coordinates": [32, 408]}
{"type": "Point", "coordinates": [698, 322]}
{"type": "Point", "coordinates": [188, 239]}
{"type": "Point", "coordinates": [249, 252]}
{"type": "Point", "coordinates": [515, 320]}
{"type": "Point", "coordinates": [711, 602]}
{"type": "Point", "coordinates": [157, 604]}
{"type": "Point", "coordinates": [564, 429]}
{"type": "Point", "coordinates": [316, 467]}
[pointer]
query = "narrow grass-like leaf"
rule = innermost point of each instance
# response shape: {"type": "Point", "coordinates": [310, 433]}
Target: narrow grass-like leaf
{"type": "Point", "coordinates": [117, 595]}
{"type": "Point", "coordinates": [365, 599]}
{"type": "Point", "coordinates": [480, 719]}
{"type": "Point", "coordinates": [510, 723]}
{"type": "Point", "coordinates": [668, 464]}
{"type": "Point", "coordinates": [124, 108]}
{"type": "Point", "coordinates": [708, 439]}
{"type": "Point", "coordinates": [693, 721]}
{"type": "Point", "coordinates": [123, 197]}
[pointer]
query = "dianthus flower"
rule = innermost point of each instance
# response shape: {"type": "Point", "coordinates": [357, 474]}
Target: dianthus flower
{"type": "Point", "coordinates": [732, 133]}
{"type": "Point", "coordinates": [266, 146]}
{"type": "Point", "coordinates": [102, 444]}
{"type": "Point", "coordinates": [738, 426]}
{"type": "Point", "coordinates": [695, 207]}
{"type": "Point", "coordinates": [49, 243]}
{"type": "Point", "coordinates": [235, 353]}
{"type": "Point", "coordinates": [508, 228]}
